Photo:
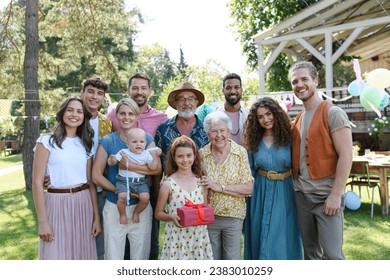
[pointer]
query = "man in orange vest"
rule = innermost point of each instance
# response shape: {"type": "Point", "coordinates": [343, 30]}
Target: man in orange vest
{"type": "Point", "coordinates": [322, 159]}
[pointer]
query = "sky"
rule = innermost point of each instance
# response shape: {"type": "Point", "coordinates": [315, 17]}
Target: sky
{"type": "Point", "coordinates": [200, 27]}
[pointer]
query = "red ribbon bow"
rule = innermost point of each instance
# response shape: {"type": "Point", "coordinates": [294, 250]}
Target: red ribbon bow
{"type": "Point", "coordinates": [199, 209]}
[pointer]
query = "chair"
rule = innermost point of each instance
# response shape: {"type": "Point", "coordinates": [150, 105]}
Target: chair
{"type": "Point", "coordinates": [375, 177]}
{"type": "Point", "coordinates": [360, 168]}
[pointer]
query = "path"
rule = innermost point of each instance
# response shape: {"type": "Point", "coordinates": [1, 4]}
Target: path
{"type": "Point", "coordinates": [10, 169]}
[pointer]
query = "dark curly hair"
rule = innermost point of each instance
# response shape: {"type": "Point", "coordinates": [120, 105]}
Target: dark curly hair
{"type": "Point", "coordinates": [95, 82]}
{"type": "Point", "coordinates": [281, 130]}
{"type": "Point", "coordinates": [84, 131]}
{"type": "Point", "coordinates": [185, 142]}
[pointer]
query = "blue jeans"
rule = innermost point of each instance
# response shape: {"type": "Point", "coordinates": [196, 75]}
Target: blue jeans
{"type": "Point", "coordinates": [100, 238]}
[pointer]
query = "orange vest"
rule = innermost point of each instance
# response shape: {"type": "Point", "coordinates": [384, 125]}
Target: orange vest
{"type": "Point", "coordinates": [321, 156]}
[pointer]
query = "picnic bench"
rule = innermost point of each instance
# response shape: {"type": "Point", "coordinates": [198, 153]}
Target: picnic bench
{"type": "Point", "coordinates": [9, 147]}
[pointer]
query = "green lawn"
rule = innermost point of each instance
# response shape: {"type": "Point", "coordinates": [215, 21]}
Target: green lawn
{"type": "Point", "coordinates": [11, 160]}
{"type": "Point", "coordinates": [365, 239]}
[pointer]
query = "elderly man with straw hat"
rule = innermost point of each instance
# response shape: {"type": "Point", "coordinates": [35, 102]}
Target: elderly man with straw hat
{"type": "Point", "coordinates": [185, 99]}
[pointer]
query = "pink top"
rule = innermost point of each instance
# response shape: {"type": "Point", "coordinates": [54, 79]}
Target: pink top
{"type": "Point", "coordinates": [148, 120]}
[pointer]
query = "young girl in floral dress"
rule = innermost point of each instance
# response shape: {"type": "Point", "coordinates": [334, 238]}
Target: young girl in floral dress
{"type": "Point", "coordinates": [184, 172]}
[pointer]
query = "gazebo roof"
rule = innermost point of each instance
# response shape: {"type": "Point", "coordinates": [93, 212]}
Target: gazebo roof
{"type": "Point", "coordinates": [370, 19]}
{"type": "Point", "coordinates": [327, 30]}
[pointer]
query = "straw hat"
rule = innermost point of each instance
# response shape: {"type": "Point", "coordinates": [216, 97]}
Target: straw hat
{"type": "Point", "coordinates": [185, 87]}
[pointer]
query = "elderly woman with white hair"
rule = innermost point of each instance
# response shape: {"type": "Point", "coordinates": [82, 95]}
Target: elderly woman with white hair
{"type": "Point", "coordinates": [229, 180]}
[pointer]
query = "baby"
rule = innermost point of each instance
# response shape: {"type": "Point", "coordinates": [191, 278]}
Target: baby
{"type": "Point", "coordinates": [129, 181]}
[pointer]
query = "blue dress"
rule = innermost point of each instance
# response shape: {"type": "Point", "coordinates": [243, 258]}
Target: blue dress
{"type": "Point", "coordinates": [271, 227]}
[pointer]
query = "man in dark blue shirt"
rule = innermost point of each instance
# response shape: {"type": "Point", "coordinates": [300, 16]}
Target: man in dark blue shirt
{"type": "Point", "coordinates": [185, 99]}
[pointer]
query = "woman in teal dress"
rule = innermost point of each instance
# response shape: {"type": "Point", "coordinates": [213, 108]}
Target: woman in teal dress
{"type": "Point", "coordinates": [271, 226]}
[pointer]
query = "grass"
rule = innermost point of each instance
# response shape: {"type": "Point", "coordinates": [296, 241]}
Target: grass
{"type": "Point", "coordinates": [18, 226]}
{"type": "Point", "coordinates": [11, 160]}
{"type": "Point", "coordinates": [364, 239]}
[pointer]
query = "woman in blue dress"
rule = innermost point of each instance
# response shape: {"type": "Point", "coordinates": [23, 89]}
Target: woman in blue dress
{"type": "Point", "coordinates": [271, 226]}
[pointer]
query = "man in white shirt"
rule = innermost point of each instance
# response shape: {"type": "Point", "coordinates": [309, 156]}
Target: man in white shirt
{"type": "Point", "coordinates": [93, 95]}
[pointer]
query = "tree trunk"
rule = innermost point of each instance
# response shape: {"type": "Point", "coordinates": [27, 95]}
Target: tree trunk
{"type": "Point", "coordinates": [32, 105]}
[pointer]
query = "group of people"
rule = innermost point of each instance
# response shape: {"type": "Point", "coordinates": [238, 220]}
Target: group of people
{"type": "Point", "coordinates": [111, 179]}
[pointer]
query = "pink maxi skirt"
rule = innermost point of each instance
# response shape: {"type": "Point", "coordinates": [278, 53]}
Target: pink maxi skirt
{"type": "Point", "coordinates": [70, 216]}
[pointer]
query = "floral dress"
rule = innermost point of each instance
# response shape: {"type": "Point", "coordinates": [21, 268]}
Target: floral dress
{"type": "Point", "coordinates": [187, 243]}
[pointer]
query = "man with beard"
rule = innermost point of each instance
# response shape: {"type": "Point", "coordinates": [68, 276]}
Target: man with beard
{"type": "Point", "coordinates": [321, 161]}
{"type": "Point", "coordinates": [148, 119]}
{"type": "Point", "coordinates": [232, 90]}
{"type": "Point", "coordinates": [185, 99]}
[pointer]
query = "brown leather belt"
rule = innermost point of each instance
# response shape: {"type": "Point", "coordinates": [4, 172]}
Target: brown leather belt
{"type": "Point", "coordinates": [71, 190]}
{"type": "Point", "coordinates": [273, 175]}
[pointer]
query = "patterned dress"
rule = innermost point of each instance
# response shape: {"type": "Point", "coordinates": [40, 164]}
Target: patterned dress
{"type": "Point", "coordinates": [187, 243]}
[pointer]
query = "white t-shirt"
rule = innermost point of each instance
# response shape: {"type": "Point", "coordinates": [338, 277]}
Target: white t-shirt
{"type": "Point", "coordinates": [141, 159]}
{"type": "Point", "coordinates": [95, 126]}
{"type": "Point", "coordinates": [66, 166]}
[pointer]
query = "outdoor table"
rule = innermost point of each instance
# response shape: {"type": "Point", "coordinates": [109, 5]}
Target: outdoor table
{"type": "Point", "coordinates": [380, 164]}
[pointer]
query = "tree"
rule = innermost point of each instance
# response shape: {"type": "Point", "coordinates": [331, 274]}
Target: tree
{"type": "Point", "coordinates": [77, 39]}
{"type": "Point", "coordinates": [12, 38]}
{"type": "Point", "coordinates": [207, 78]}
{"type": "Point", "coordinates": [154, 61]}
{"type": "Point", "coordinates": [253, 16]}
{"type": "Point", "coordinates": [84, 38]}
{"type": "Point", "coordinates": [31, 124]}
{"type": "Point", "coordinates": [182, 66]}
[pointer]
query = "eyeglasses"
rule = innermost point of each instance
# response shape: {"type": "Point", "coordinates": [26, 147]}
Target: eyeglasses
{"type": "Point", "coordinates": [183, 99]}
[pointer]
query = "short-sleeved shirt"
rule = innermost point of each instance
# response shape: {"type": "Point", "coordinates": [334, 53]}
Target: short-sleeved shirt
{"type": "Point", "coordinates": [112, 143]}
{"type": "Point", "coordinates": [67, 166]}
{"type": "Point", "coordinates": [167, 132]}
{"type": "Point", "coordinates": [141, 159]}
{"type": "Point", "coordinates": [234, 170]}
{"type": "Point", "coordinates": [337, 119]}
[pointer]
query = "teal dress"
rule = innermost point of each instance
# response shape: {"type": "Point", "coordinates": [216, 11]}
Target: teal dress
{"type": "Point", "coordinates": [271, 227]}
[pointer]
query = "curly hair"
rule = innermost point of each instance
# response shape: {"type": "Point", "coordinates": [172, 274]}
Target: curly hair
{"type": "Point", "coordinates": [184, 142]}
{"type": "Point", "coordinates": [84, 131]}
{"type": "Point", "coordinates": [281, 130]}
{"type": "Point", "coordinates": [95, 82]}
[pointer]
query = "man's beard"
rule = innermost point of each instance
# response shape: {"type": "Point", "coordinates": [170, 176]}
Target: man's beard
{"type": "Point", "coordinates": [232, 101]}
{"type": "Point", "coordinates": [185, 115]}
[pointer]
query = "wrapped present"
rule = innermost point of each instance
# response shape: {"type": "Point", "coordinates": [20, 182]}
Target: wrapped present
{"type": "Point", "coordinates": [195, 214]}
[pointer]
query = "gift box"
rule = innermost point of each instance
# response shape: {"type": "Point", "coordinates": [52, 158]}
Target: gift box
{"type": "Point", "coordinates": [195, 214]}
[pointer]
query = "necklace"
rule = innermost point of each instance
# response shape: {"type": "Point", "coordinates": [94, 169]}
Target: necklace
{"type": "Point", "coordinates": [238, 130]}
{"type": "Point", "coordinates": [223, 155]}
